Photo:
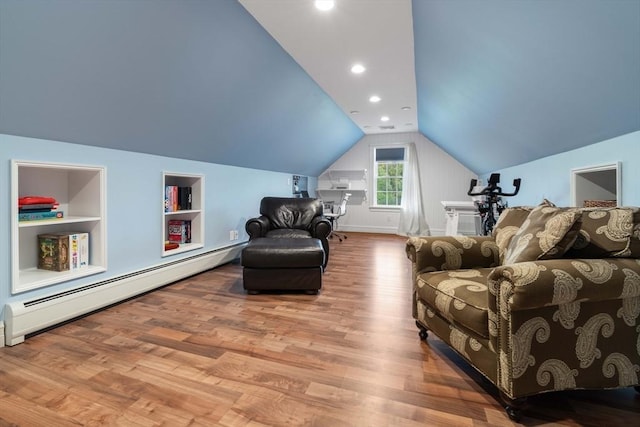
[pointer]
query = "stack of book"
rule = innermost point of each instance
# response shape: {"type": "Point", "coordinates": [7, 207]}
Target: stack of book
{"type": "Point", "coordinates": [177, 198]}
{"type": "Point", "coordinates": [33, 208]}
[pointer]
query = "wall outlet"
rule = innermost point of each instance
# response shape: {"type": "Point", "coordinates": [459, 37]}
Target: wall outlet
{"type": "Point", "coordinates": [233, 235]}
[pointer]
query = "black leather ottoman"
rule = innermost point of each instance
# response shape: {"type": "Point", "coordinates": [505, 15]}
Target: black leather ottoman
{"type": "Point", "coordinates": [283, 264]}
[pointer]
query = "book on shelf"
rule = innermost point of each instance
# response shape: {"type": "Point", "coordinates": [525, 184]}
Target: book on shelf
{"type": "Point", "coordinates": [63, 251]}
{"type": "Point", "coordinates": [184, 198]}
{"type": "Point", "coordinates": [179, 231]}
{"type": "Point", "coordinates": [177, 198]}
{"type": "Point", "coordinates": [78, 251]}
{"type": "Point", "coordinates": [171, 198]}
{"type": "Point", "coordinates": [35, 200]}
{"type": "Point", "coordinates": [38, 207]}
{"type": "Point", "coordinates": [168, 246]}
{"type": "Point", "coordinates": [36, 216]}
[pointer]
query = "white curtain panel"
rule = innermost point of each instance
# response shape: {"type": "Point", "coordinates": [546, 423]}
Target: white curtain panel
{"type": "Point", "coordinates": [413, 221]}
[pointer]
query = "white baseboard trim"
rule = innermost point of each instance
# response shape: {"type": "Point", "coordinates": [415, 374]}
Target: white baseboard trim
{"type": "Point", "coordinates": [367, 229]}
{"type": "Point", "coordinates": [382, 230]}
{"type": "Point", "coordinates": [25, 317]}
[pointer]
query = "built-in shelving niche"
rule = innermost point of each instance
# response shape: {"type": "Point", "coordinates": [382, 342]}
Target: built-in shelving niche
{"type": "Point", "coordinates": [601, 182]}
{"type": "Point", "coordinates": [195, 214]}
{"type": "Point", "coordinates": [80, 192]}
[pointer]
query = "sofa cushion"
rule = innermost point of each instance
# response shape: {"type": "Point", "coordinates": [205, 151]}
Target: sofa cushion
{"type": "Point", "coordinates": [267, 253]}
{"type": "Point", "coordinates": [460, 296]}
{"type": "Point", "coordinates": [547, 233]}
{"type": "Point", "coordinates": [607, 232]}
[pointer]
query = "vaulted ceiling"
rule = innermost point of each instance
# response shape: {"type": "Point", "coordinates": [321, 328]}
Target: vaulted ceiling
{"type": "Point", "coordinates": [495, 83]}
{"type": "Point", "coordinates": [505, 82]}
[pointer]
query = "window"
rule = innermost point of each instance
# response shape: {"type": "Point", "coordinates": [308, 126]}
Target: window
{"type": "Point", "coordinates": [388, 169]}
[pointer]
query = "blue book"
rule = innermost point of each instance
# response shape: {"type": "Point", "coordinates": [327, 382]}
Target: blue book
{"type": "Point", "coordinates": [34, 216]}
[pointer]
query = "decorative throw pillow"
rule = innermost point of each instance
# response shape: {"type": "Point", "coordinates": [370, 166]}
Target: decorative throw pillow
{"type": "Point", "coordinates": [508, 224]}
{"type": "Point", "coordinates": [608, 232]}
{"type": "Point", "coordinates": [542, 235]}
{"type": "Point", "coordinates": [561, 249]}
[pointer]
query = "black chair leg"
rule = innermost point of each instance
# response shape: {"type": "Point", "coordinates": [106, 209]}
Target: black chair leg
{"type": "Point", "coordinates": [340, 236]}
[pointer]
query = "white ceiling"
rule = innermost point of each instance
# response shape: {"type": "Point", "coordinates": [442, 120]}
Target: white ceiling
{"type": "Point", "coordinates": [376, 33]}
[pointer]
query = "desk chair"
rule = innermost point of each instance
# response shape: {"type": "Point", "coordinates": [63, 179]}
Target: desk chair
{"type": "Point", "coordinates": [333, 217]}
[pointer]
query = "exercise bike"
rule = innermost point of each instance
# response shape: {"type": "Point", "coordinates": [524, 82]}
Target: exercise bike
{"type": "Point", "coordinates": [492, 205]}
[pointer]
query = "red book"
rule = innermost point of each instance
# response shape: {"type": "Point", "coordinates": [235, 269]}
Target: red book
{"type": "Point", "coordinates": [169, 246]}
{"type": "Point", "coordinates": [36, 200]}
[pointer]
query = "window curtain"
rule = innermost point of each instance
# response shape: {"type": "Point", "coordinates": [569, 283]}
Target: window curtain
{"type": "Point", "coordinates": [413, 221]}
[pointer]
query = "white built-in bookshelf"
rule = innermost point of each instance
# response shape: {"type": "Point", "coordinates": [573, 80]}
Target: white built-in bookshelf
{"type": "Point", "coordinates": [601, 182]}
{"type": "Point", "coordinates": [195, 214]}
{"type": "Point", "coordinates": [80, 192]}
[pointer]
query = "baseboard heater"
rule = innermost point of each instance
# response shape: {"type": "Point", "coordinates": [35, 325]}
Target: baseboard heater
{"type": "Point", "coordinates": [26, 317]}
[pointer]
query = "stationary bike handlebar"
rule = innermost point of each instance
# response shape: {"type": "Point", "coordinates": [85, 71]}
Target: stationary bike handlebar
{"type": "Point", "coordinates": [493, 188]}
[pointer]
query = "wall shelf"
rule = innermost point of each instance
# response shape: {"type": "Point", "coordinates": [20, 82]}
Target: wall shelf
{"type": "Point", "coordinates": [334, 183]}
{"type": "Point", "coordinates": [334, 195]}
{"type": "Point", "coordinates": [346, 174]}
{"type": "Point", "coordinates": [80, 192]}
{"type": "Point", "coordinates": [195, 214]}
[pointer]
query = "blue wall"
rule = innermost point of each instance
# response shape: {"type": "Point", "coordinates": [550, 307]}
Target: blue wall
{"type": "Point", "coordinates": [191, 79]}
{"type": "Point", "coordinates": [134, 221]}
{"type": "Point", "coordinates": [503, 82]}
{"type": "Point", "coordinates": [232, 195]}
{"type": "Point", "coordinates": [550, 177]}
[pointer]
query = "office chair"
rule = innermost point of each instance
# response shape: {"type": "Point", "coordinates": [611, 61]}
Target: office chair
{"type": "Point", "coordinates": [333, 217]}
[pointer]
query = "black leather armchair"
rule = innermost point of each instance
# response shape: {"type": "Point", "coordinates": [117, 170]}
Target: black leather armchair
{"type": "Point", "coordinates": [289, 217]}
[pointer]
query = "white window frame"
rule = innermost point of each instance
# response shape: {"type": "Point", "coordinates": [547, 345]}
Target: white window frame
{"type": "Point", "coordinates": [374, 175]}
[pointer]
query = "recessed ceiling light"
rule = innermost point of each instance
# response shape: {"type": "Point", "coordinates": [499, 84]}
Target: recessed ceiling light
{"type": "Point", "coordinates": [374, 98]}
{"type": "Point", "coordinates": [324, 5]}
{"type": "Point", "coordinates": [358, 69]}
{"type": "Point", "coordinates": [384, 118]}
{"type": "Point", "coordinates": [354, 112]}
{"type": "Point", "coordinates": [406, 108]}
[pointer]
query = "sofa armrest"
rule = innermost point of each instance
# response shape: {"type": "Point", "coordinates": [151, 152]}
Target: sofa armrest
{"type": "Point", "coordinates": [257, 227]}
{"type": "Point", "coordinates": [320, 227]}
{"type": "Point", "coordinates": [558, 324]}
{"type": "Point", "coordinates": [451, 253]}
{"type": "Point", "coordinates": [543, 283]}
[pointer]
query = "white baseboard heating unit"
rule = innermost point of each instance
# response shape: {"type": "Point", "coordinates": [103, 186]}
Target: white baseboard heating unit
{"type": "Point", "coordinates": [25, 317]}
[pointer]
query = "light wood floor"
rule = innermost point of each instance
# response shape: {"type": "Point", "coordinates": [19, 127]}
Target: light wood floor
{"type": "Point", "coordinates": [202, 352]}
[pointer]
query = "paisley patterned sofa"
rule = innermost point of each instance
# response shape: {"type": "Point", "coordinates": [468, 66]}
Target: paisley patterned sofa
{"type": "Point", "coordinates": [549, 302]}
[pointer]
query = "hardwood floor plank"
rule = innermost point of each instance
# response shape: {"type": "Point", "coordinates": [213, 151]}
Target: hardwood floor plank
{"type": "Point", "coordinates": [17, 411]}
{"type": "Point", "coordinates": [202, 352]}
